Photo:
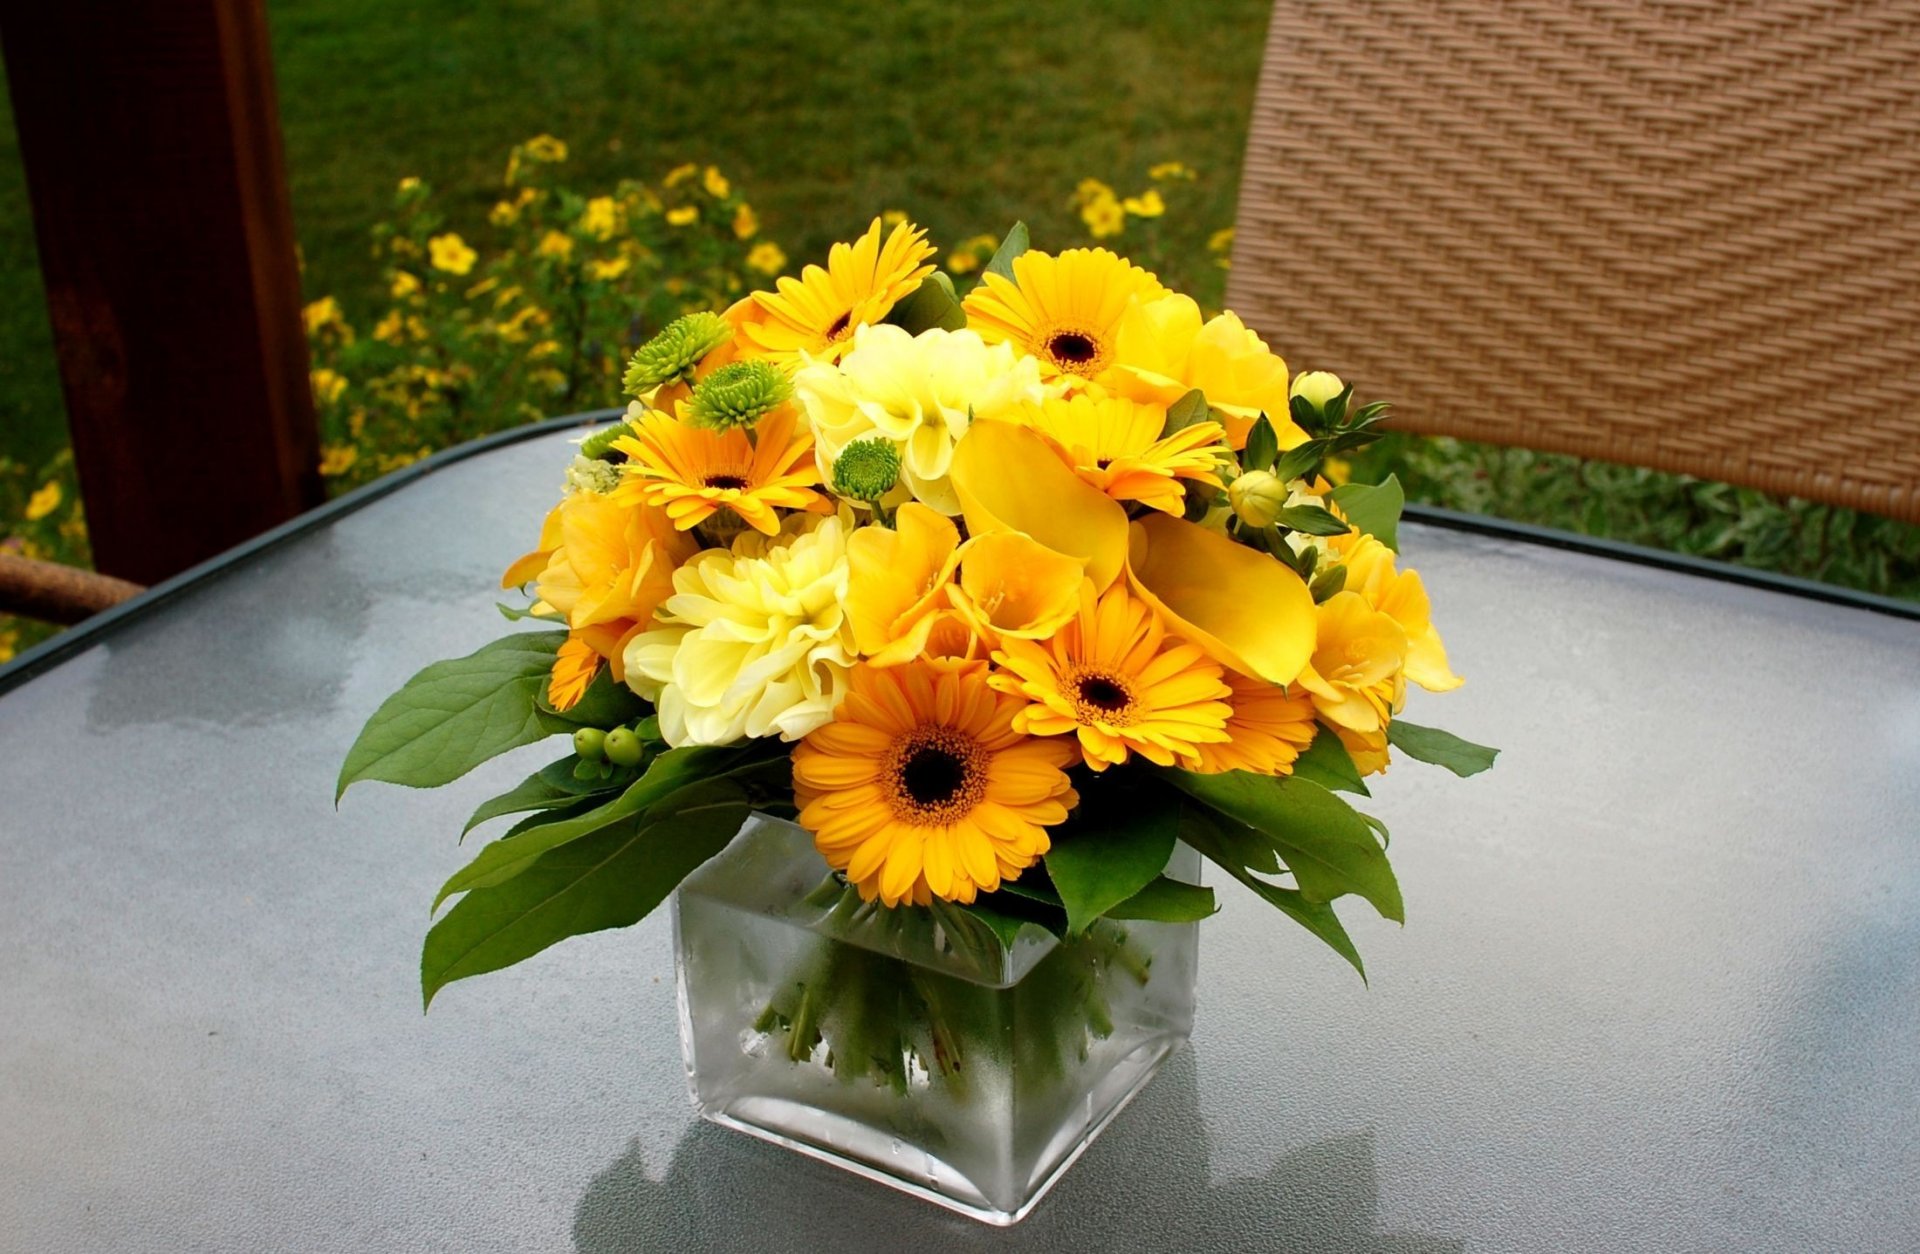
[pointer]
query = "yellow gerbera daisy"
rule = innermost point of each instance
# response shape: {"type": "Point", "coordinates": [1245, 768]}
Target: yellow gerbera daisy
{"type": "Point", "coordinates": [692, 472]}
{"type": "Point", "coordinates": [1267, 730]}
{"type": "Point", "coordinates": [574, 667]}
{"type": "Point", "coordinates": [921, 787]}
{"type": "Point", "coordinates": [1114, 677]}
{"type": "Point", "coordinates": [1064, 310]}
{"type": "Point", "coordinates": [816, 313]}
{"type": "Point", "coordinates": [1115, 445]}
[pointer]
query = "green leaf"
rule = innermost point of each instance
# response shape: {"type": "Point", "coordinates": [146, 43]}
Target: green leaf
{"type": "Point", "coordinates": [606, 703]}
{"type": "Point", "coordinates": [1305, 416]}
{"type": "Point", "coordinates": [1117, 843]}
{"type": "Point", "coordinates": [612, 878]}
{"type": "Point", "coordinates": [932, 304]}
{"type": "Point", "coordinates": [454, 715]}
{"type": "Point", "coordinates": [1184, 412]}
{"type": "Point", "coordinates": [1329, 583]}
{"type": "Point", "coordinates": [1012, 246]}
{"type": "Point", "coordinates": [553, 786]}
{"type": "Point", "coordinates": [1166, 900]}
{"type": "Point", "coordinates": [1442, 748]}
{"type": "Point", "coordinates": [1224, 842]}
{"type": "Point", "coordinates": [1299, 461]}
{"type": "Point", "coordinates": [1330, 849]}
{"type": "Point", "coordinates": [1263, 445]}
{"type": "Point", "coordinates": [669, 774]}
{"type": "Point", "coordinates": [1327, 763]}
{"type": "Point", "coordinates": [514, 615]}
{"type": "Point", "coordinates": [1374, 508]}
{"type": "Point", "coordinates": [1311, 520]}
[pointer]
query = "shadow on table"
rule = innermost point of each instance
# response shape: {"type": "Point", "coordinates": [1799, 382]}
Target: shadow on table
{"type": "Point", "coordinates": [1143, 1186]}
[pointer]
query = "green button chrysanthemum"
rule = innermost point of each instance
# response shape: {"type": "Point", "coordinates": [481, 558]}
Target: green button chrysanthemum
{"type": "Point", "coordinates": [671, 355]}
{"type": "Point", "coordinates": [739, 394]}
{"type": "Point", "coordinates": [866, 470]}
{"type": "Point", "coordinates": [599, 445]}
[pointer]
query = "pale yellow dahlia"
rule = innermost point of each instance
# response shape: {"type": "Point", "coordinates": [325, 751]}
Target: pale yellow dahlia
{"type": "Point", "coordinates": [921, 787]}
{"type": "Point", "coordinates": [1114, 679]}
{"type": "Point", "coordinates": [754, 641]}
{"type": "Point", "coordinates": [919, 393]}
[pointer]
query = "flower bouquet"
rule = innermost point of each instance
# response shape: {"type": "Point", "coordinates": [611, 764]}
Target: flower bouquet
{"type": "Point", "coordinates": [928, 645]}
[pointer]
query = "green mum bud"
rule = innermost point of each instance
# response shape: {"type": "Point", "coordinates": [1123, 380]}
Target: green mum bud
{"type": "Point", "coordinates": [866, 470]}
{"type": "Point", "coordinates": [1257, 497]}
{"type": "Point", "coordinates": [672, 354]}
{"type": "Point", "coordinates": [739, 394]}
{"type": "Point", "coordinates": [599, 445]}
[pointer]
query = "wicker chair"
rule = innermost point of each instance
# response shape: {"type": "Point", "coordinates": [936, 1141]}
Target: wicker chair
{"type": "Point", "coordinates": [1682, 234]}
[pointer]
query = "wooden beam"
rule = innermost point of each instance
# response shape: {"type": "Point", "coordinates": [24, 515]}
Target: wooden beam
{"type": "Point", "coordinates": [54, 593]}
{"type": "Point", "coordinates": [151, 141]}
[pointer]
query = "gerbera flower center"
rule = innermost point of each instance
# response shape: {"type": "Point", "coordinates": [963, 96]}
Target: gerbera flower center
{"type": "Point", "coordinates": [1076, 352]}
{"type": "Point", "coordinates": [838, 328]}
{"type": "Point", "coordinates": [937, 775]}
{"type": "Point", "coordinates": [735, 482]}
{"type": "Point", "coordinates": [1100, 696]}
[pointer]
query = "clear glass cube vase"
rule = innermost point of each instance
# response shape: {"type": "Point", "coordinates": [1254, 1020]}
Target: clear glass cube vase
{"type": "Point", "coordinates": [916, 1047]}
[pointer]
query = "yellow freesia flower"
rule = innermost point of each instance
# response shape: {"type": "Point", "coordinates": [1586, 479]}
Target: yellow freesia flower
{"type": "Point", "coordinates": [755, 640]}
{"type": "Point", "coordinates": [450, 253]}
{"type": "Point", "coordinates": [1064, 310]}
{"type": "Point", "coordinates": [898, 582]}
{"type": "Point", "coordinates": [817, 313]}
{"type": "Point", "coordinates": [1367, 749]}
{"type": "Point", "coordinates": [1012, 585]}
{"type": "Point", "coordinates": [1356, 675]}
{"type": "Point", "coordinates": [1403, 597]}
{"type": "Point", "coordinates": [1163, 350]}
{"type": "Point", "coordinates": [921, 393]}
{"type": "Point", "coordinates": [1115, 445]}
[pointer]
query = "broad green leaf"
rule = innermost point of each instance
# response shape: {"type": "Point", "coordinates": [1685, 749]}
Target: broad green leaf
{"type": "Point", "coordinates": [1442, 748]}
{"type": "Point", "coordinates": [606, 703]}
{"type": "Point", "coordinates": [1298, 462]}
{"type": "Point", "coordinates": [1263, 445]}
{"type": "Point", "coordinates": [1305, 416]}
{"type": "Point", "coordinates": [1117, 843]}
{"type": "Point", "coordinates": [612, 878]}
{"type": "Point", "coordinates": [1166, 900]}
{"type": "Point", "coordinates": [1012, 246]}
{"type": "Point", "coordinates": [539, 818]}
{"type": "Point", "coordinates": [1184, 412]}
{"type": "Point", "coordinates": [454, 715]}
{"type": "Point", "coordinates": [553, 786]}
{"type": "Point", "coordinates": [1374, 508]}
{"type": "Point", "coordinates": [1330, 849]}
{"type": "Point", "coordinates": [668, 774]}
{"type": "Point", "coordinates": [1311, 520]}
{"type": "Point", "coordinates": [1335, 409]}
{"type": "Point", "coordinates": [1327, 763]}
{"type": "Point", "coordinates": [1214, 836]}
{"type": "Point", "coordinates": [932, 304]}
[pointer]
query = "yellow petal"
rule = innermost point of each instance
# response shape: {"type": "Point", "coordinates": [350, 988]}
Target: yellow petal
{"type": "Point", "coordinates": [1013, 585]}
{"type": "Point", "coordinates": [1242, 606]}
{"type": "Point", "coordinates": [1008, 479]}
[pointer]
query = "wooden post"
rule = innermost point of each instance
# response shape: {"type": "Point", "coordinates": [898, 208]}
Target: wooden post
{"type": "Point", "coordinates": [151, 141]}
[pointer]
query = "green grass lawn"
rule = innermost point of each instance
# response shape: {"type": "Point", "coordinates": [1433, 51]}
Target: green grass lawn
{"type": "Point", "coordinates": [965, 115]}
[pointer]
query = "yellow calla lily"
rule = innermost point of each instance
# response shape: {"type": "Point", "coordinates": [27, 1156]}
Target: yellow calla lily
{"type": "Point", "coordinates": [1244, 608]}
{"type": "Point", "coordinates": [1008, 479]}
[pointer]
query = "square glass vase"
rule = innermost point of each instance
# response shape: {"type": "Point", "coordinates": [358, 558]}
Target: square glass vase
{"type": "Point", "coordinates": [966, 1065]}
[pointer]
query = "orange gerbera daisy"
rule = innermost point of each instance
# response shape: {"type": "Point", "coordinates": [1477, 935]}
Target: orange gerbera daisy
{"type": "Point", "coordinates": [1267, 730]}
{"type": "Point", "coordinates": [574, 667]}
{"type": "Point", "coordinates": [1115, 445]}
{"type": "Point", "coordinates": [693, 473]}
{"type": "Point", "coordinates": [920, 787]}
{"type": "Point", "coordinates": [1063, 310]}
{"type": "Point", "coordinates": [1113, 677]}
{"type": "Point", "coordinates": [816, 313]}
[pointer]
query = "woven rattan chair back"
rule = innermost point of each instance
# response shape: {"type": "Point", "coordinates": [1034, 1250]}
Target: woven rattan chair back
{"type": "Point", "coordinates": [1682, 234]}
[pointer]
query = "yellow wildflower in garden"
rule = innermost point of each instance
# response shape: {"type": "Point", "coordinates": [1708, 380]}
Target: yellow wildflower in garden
{"type": "Point", "coordinates": [324, 315]}
{"type": "Point", "coordinates": [685, 215]}
{"type": "Point", "coordinates": [754, 640]}
{"type": "Point", "coordinates": [921, 786]}
{"type": "Point", "coordinates": [680, 174]}
{"type": "Point", "coordinates": [746, 223]}
{"type": "Point", "coordinates": [450, 253]}
{"type": "Point", "coordinates": [1168, 170]}
{"type": "Point", "coordinates": [328, 385]}
{"type": "Point", "coordinates": [716, 183]}
{"type": "Point", "coordinates": [1147, 204]}
{"type": "Point", "coordinates": [818, 312]}
{"type": "Point", "coordinates": [610, 268]}
{"type": "Point", "coordinates": [601, 217]}
{"type": "Point", "coordinates": [546, 148]}
{"type": "Point", "coordinates": [555, 244]}
{"type": "Point", "coordinates": [1063, 310]}
{"type": "Point", "coordinates": [44, 501]}
{"type": "Point", "coordinates": [767, 258]}
{"type": "Point", "coordinates": [404, 285]}
{"type": "Point", "coordinates": [337, 459]}
{"type": "Point", "coordinates": [1113, 678]}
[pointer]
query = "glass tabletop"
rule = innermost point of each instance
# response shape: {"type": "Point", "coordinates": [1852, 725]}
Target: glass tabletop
{"type": "Point", "coordinates": [1657, 987]}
